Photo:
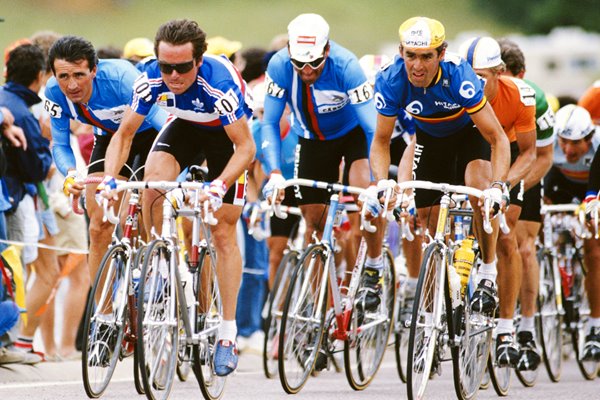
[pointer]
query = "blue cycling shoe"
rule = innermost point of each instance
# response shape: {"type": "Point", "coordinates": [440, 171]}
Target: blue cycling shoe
{"type": "Point", "coordinates": [226, 357]}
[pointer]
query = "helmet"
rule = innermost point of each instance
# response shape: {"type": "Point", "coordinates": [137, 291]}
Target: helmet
{"type": "Point", "coordinates": [371, 64]}
{"type": "Point", "coordinates": [307, 34]}
{"type": "Point", "coordinates": [421, 33]}
{"type": "Point", "coordinates": [139, 47]}
{"type": "Point", "coordinates": [573, 122]}
{"type": "Point", "coordinates": [481, 52]}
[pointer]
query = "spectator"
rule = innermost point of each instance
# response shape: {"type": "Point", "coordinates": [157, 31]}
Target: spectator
{"type": "Point", "coordinates": [137, 49]}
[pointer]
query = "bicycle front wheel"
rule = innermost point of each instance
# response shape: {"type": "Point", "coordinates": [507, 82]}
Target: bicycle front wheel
{"type": "Point", "coordinates": [428, 307]}
{"type": "Point", "coordinates": [550, 320]}
{"type": "Point", "coordinates": [303, 319]}
{"type": "Point", "coordinates": [104, 322]}
{"type": "Point", "coordinates": [274, 308]}
{"type": "Point", "coordinates": [158, 322]}
{"type": "Point", "coordinates": [369, 331]}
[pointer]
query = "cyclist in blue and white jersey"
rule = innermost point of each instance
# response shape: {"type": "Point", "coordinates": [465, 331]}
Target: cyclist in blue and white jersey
{"type": "Point", "coordinates": [96, 93]}
{"type": "Point", "coordinates": [333, 117]}
{"type": "Point", "coordinates": [206, 95]}
{"type": "Point", "coordinates": [446, 99]}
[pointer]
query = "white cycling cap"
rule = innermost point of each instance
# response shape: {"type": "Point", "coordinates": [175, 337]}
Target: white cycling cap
{"type": "Point", "coordinates": [308, 34]}
{"type": "Point", "coordinates": [481, 52]}
{"type": "Point", "coordinates": [573, 122]}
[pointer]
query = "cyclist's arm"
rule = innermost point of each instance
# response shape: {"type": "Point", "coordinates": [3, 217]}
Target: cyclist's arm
{"type": "Point", "coordinates": [379, 155]}
{"type": "Point", "coordinates": [241, 137]}
{"type": "Point", "coordinates": [271, 139]}
{"type": "Point", "coordinates": [525, 159]}
{"type": "Point", "coordinates": [492, 132]}
{"type": "Point", "coordinates": [365, 113]}
{"type": "Point", "coordinates": [63, 155]}
{"type": "Point", "coordinates": [594, 178]}
{"type": "Point", "coordinates": [541, 166]}
{"type": "Point", "coordinates": [120, 144]}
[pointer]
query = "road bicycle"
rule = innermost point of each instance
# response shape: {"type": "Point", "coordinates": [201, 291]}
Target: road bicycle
{"type": "Point", "coordinates": [442, 321]}
{"type": "Point", "coordinates": [180, 304]}
{"type": "Point", "coordinates": [306, 323]}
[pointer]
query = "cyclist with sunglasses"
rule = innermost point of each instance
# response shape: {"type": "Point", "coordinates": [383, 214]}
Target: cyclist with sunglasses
{"type": "Point", "coordinates": [94, 92]}
{"type": "Point", "coordinates": [334, 118]}
{"type": "Point", "coordinates": [206, 95]}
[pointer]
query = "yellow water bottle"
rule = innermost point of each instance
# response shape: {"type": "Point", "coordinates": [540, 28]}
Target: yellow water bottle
{"type": "Point", "coordinates": [464, 257]}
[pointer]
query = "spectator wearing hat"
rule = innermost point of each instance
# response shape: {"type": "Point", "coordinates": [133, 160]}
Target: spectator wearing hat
{"type": "Point", "coordinates": [459, 138]}
{"type": "Point", "coordinates": [218, 45]}
{"type": "Point", "coordinates": [138, 49]}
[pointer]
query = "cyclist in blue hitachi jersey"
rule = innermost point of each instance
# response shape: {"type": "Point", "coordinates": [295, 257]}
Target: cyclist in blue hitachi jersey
{"type": "Point", "coordinates": [96, 93]}
{"type": "Point", "coordinates": [206, 95]}
{"type": "Point", "coordinates": [445, 98]}
{"type": "Point", "coordinates": [334, 118]}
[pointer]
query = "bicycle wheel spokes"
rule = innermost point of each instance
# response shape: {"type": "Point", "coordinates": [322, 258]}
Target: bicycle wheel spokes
{"type": "Point", "coordinates": [369, 332]}
{"type": "Point", "coordinates": [275, 310]}
{"type": "Point", "coordinates": [158, 322]}
{"type": "Point", "coordinates": [423, 331]}
{"type": "Point", "coordinates": [589, 369]}
{"type": "Point", "coordinates": [549, 322]}
{"type": "Point", "coordinates": [303, 318]}
{"type": "Point", "coordinates": [208, 320]}
{"type": "Point", "coordinates": [104, 320]}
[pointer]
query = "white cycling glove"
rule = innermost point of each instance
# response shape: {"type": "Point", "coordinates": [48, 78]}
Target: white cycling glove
{"type": "Point", "coordinates": [274, 181]}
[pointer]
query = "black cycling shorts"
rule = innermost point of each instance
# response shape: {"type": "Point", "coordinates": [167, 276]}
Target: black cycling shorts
{"type": "Point", "coordinates": [530, 210]}
{"type": "Point", "coordinates": [320, 160]}
{"type": "Point", "coordinates": [189, 143]}
{"type": "Point", "coordinates": [140, 147]}
{"type": "Point", "coordinates": [561, 190]}
{"type": "Point", "coordinates": [445, 160]}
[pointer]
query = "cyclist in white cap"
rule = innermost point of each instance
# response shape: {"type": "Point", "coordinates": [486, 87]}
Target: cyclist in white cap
{"type": "Point", "coordinates": [513, 102]}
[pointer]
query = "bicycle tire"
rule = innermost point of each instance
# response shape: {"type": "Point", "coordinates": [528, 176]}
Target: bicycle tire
{"type": "Point", "coordinates": [500, 377]}
{"type": "Point", "coordinates": [550, 321]}
{"type": "Point", "coordinates": [302, 324]}
{"type": "Point", "coordinates": [365, 348]}
{"type": "Point", "coordinates": [421, 348]}
{"type": "Point", "coordinates": [401, 333]}
{"type": "Point", "coordinates": [274, 311]}
{"type": "Point", "coordinates": [137, 378]}
{"type": "Point", "coordinates": [469, 358]}
{"type": "Point", "coordinates": [589, 369]}
{"type": "Point", "coordinates": [209, 315]}
{"type": "Point", "coordinates": [107, 335]}
{"type": "Point", "coordinates": [158, 336]}
{"type": "Point", "coordinates": [527, 378]}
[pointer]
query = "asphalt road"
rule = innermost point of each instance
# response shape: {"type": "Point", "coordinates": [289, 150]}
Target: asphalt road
{"type": "Point", "coordinates": [63, 381]}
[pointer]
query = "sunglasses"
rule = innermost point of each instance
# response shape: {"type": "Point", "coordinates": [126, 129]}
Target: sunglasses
{"type": "Point", "coordinates": [312, 64]}
{"type": "Point", "coordinates": [181, 68]}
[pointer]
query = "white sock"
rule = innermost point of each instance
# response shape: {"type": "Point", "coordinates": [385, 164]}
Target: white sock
{"type": "Point", "coordinates": [374, 263]}
{"type": "Point", "coordinates": [527, 324]}
{"type": "Point", "coordinates": [228, 330]}
{"type": "Point", "coordinates": [504, 326]}
{"type": "Point", "coordinates": [487, 271]}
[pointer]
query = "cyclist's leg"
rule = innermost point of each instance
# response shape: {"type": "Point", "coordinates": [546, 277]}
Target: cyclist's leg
{"type": "Point", "coordinates": [591, 248]}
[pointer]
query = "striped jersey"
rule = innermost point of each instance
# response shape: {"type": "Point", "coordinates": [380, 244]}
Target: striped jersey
{"type": "Point", "coordinates": [579, 171]}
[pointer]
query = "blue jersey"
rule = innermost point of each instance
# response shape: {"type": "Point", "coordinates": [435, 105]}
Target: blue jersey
{"type": "Point", "coordinates": [214, 100]}
{"type": "Point", "coordinates": [441, 109]}
{"type": "Point", "coordinates": [335, 104]}
{"type": "Point", "coordinates": [404, 126]}
{"type": "Point", "coordinates": [111, 95]}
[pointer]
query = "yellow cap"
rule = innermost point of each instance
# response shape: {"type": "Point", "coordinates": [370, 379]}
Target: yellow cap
{"type": "Point", "coordinates": [139, 47]}
{"type": "Point", "coordinates": [218, 45]}
{"type": "Point", "coordinates": [421, 33]}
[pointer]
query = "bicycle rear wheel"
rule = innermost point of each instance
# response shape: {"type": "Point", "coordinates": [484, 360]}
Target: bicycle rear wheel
{"type": "Point", "coordinates": [369, 331]}
{"type": "Point", "coordinates": [104, 322]}
{"type": "Point", "coordinates": [158, 322]}
{"type": "Point", "coordinates": [274, 308]}
{"type": "Point", "coordinates": [469, 358]}
{"type": "Point", "coordinates": [303, 319]}
{"type": "Point", "coordinates": [209, 315]}
{"type": "Point", "coordinates": [581, 307]}
{"type": "Point", "coordinates": [550, 320]}
{"type": "Point", "coordinates": [427, 308]}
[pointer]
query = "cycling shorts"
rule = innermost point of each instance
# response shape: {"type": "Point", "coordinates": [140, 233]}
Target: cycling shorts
{"type": "Point", "coordinates": [320, 160]}
{"type": "Point", "coordinates": [140, 147]}
{"type": "Point", "coordinates": [289, 226]}
{"type": "Point", "coordinates": [530, 210]}
{"type": "Point", "coordinates": [445, 160]}
{"type": "Point", "coordinates": [189, 142]}
{"type": "Point", "coordinates": [561, 190]}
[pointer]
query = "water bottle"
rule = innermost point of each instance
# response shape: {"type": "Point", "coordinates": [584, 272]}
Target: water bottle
{"type": "Point", "coordinates": [464, 257]}
{"type": "Point", "coordinates": [455, 287]}
{"type": "Point", "coordinates": [458, 228]}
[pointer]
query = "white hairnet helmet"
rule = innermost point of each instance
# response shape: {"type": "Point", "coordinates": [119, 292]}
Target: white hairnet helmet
{"type": "Point", "coordinates": [573, 122]}
{"type": "Point", "coordinates": [481, 52]}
